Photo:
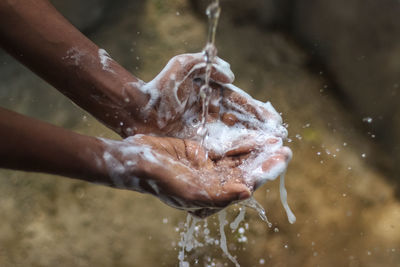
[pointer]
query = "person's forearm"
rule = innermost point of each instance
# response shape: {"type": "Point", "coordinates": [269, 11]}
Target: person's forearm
{"type": "Point", "coordinates": [43, 40]}
{"type": "Point", "coordinates": [30, 145]}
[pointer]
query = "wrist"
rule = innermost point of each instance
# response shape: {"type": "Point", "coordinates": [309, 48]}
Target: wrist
{"type": "Point", "coordinates": [119, 164]}
{"type": "Point", "coordinates": [91, 158]}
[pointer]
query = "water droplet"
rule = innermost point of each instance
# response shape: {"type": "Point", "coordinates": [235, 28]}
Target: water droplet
{"type": "Point", "coordinates": [367, 119]}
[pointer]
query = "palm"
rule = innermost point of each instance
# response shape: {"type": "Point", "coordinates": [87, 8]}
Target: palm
{"type": "Point", "coordinates": [192, 179]}
{"type": "Point", "coordinates": [185, 178]}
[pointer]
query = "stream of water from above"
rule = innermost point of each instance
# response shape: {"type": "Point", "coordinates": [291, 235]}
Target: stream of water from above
{"type": "Point", "coordinates": [188, 240]}
{"type": "Point", "coordinates": [210, 52]}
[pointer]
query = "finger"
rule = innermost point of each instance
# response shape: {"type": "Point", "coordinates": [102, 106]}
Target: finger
{"type": "Point", "coordinates": [230, 194]}
{"type": "Point", "coordinates": [194, 65]}
{"type": "Point", "coordinates": [187, 72]}
{"type": "Point", "coordinates": [215, 100]}
{"type": "Point", "coordinates": [219, 74]}
{"type": "Point", "coordinates": [196, 154]}
{"type": "Point", "coordinates": [241, 103]}
{"type": "Point", "coordinates": [222, 71]}
{"type": "Point", "coordinates": [249, 144]}
{"type": "Point", "coordinates": [273, 166]}
{"type": "Point", "coordinates": [229, 119]}
{"type": "Point", "coordinates": [235, 192]}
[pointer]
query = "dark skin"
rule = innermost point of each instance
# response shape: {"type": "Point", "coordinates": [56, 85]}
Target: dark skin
{"type": "Point", "coordinates": [44, 41]}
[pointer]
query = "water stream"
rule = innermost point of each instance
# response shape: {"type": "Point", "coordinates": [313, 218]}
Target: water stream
{"type": "Point", "coordinates": [210, 52]}
{"type": "Point", "coordinates": [188, 236]}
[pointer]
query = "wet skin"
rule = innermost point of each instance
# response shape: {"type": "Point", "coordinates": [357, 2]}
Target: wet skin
{"type": "Point", "coordinates": [44, 41]}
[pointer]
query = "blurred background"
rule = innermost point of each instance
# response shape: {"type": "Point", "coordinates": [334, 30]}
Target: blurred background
{"type": "Point", "coordinates": [331, 67]}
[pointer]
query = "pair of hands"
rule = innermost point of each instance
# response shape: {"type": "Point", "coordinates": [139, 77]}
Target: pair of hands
{"type": "Point", "coordinates": [165, 157]}
{"type": "Point", "coordinates": [245, 136]}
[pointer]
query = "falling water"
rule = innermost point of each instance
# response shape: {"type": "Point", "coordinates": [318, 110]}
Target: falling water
{"type": "Point", "coordinates": [253, 204]}
{"type": "Point", "coordinates": [188, 240]}
{"type": "Point", "coordinates": [222, 243]}
{"type": "Point", "coordinates": [210, 52]}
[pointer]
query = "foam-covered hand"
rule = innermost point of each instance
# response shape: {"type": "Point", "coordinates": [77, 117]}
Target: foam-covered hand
{"type": "Point", "coordinates": [174, 105]}
{"type": "Point", "coordinates": [177, 172]}
{"type": "Point", "coordinates": [174, 91]}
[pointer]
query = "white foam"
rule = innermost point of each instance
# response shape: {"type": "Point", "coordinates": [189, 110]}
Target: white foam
{"type": "Point", "coordinates": [105, 60]}
{"type": "Point", "coordinates": [283, 194]}
{"type": "Point", "coordinates": [75, 55]}
{"type": "Point", "coordinates": [163, 89]}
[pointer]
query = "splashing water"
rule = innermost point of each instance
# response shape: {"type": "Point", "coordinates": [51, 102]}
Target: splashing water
{"type": "Point", "coordinates": [222, 243]}
{"type": "Point", "coordinates": [239, 218]}
{"type": "Point", "coordinates": [188, 239]}
{"type": "Point", "coordinates": [188, 242]}
{"type": "Point", "coordinates": [252, 203]}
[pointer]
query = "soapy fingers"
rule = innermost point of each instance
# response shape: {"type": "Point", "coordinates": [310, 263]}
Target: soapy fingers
{"type": "Point", "coordinates": [187, 68]}
{"type": "Point", "coordinates": [193, 65]}
{"type": "Point", "coordinates": [239, 106]}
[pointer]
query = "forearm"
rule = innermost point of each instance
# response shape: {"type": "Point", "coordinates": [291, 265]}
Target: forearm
{"type": "Point", "coordinates": [43, 40]}
{"type": "Point", "coordinates": [30, 145]}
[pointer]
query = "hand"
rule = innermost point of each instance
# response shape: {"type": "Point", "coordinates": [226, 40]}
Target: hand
{"type": "Point", "coordinates": [173, 93]}
{"type": "Point", "coordinates": [175, 171]}
{"type": "Point", "coordinates": [174, 106]}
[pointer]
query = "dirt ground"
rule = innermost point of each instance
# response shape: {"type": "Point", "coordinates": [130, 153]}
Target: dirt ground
{"type": "Point", "coordinates": [346, 206]}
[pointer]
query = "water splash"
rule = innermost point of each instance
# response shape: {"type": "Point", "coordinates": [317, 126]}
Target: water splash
{"type": "Point", "coordinates": [239, 218]}
{"type": "Point", "coordinates": [222, 243]}
{"type": "Point", "coordinates": [253, 203]}
{"type": "Point", "coordinates": [188, 240]}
